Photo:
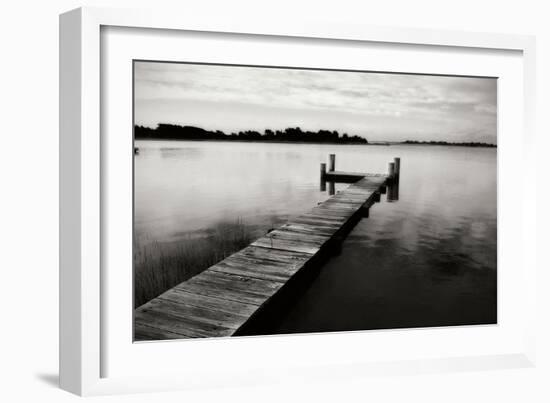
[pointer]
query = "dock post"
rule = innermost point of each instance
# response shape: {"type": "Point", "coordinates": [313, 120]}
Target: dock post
{"type": "Point", "coordinates": [323, 171]}
{"type": "Point", "coordinates": [397, 162]}
{"type": "Point", "coordinates": [393, 188]}
{"type": "Point", "coordinates": [391, 170]}
{"type": "Point", "coordinates": [393, 192]}
{"type": "Point", "coordinates": [331, 188]}
{"type": "Point", "coordinates": [323, 182]}
{"type": "Point", "coordinates": [332, 162]}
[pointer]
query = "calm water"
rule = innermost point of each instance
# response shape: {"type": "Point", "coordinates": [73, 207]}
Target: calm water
{"type": "Point", "coordinates": [428, 259]}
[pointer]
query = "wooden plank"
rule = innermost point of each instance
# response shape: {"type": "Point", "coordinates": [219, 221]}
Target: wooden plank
{"type": "Point", "coordinates": [359, 175]}
{"type": "Point", "coordinates": [332, 212]}
{"type": "Point", "coordinates": [209, 302]}
{"type": "Point", "coordinates": [318, 223]}
{"type": "Point", "coordinates": [356, 192]}
{"type": "Point", "coordinates": [322, 218]}
{"type": "Point", "coordinates": [340, 205]}
{"type": "Point", "coordinates": [301, 236]}
{"type": "Point", "coordinates": [274, 255]}
{"type": "Point", "coordinates": [263, 270]}
{"type": "Point", "coordinates": [355, 204]}
{"type": "Point", "coordinates": [373, 178]}
{"type": "Point", "coordinates": [285, 244]}
{"type": "Point", "coordinates": [328, 211]}
{"type": "Point", "coordinates": [313, 229]}
{"type": "Point", "coordinates": [346, 199]}
{"type": "Point", "coordinates": [212, 290]}
{"type": "Point", "coordinates": [196, 319]}
{"type": "Point", "coordinates": [349, 196]}
{"type": "Point", "coordinates": [368, 183]}
{"type": "Point", "coordinates": [256, 267]}
{"type": "Point", "coordinates": [143, 332]}
{"type": "Point", "coordinates": [343, 177]}
{"type": "Point", "coordinates": [371, 187]}
{"type": "Point", "coordinates": [163, 321]}
{"type": "Point", "coordinates": [232, 287]}
{"type": "Point", "coordinates": [180, 307]}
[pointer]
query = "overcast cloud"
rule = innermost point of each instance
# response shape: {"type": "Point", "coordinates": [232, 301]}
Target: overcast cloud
{"type": "Point", "coordinates": [374, 105]}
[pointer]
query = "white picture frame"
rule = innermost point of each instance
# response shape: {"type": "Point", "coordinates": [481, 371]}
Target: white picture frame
{"type": "Point", "coordinates": [85, 343]}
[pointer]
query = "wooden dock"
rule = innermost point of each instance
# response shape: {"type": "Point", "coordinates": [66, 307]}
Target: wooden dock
{"type": "Point", "coordinates": [241, 293]}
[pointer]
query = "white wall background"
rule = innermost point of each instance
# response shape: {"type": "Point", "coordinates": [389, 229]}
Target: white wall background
{"type": "Point", "coordinates": [29, 201]}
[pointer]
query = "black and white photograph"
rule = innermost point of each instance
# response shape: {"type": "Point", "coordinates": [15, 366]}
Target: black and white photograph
{"type": "Point", "coordinates": [271, 200]}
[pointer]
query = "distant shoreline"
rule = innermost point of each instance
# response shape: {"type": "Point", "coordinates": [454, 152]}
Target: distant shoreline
{"type": "Point", "coordinates": [257, 141]}
{"type": "Point", "coordinates": [394, 143]}
{"type": "Point", "coordinates": [168, 132]}
{"type": "Point", "coordinates": [290, 135]}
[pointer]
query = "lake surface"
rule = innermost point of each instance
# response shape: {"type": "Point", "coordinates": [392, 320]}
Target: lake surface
{"type": "Point", "coordinates": [428, 259]}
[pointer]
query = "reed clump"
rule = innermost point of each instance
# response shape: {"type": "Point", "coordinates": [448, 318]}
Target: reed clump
{"type": "Point", "coordinates": [161, 266]}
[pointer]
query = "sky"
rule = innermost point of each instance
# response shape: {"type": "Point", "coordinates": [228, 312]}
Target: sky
{"type": "Point", "coordinates": [377, 106]}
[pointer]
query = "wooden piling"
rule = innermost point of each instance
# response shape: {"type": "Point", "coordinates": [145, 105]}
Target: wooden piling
{"type": "Point", "coordinates": [323, 171]}
{"type": "Point", "coordinates": [393, 191]}
{"type": "Point", "coordinates": [332, 162]}
{"type": "Point", "coordinates": [397, 162]}
{"type": "Point", "coordinates": [323, 182]}
{"type": "Point", "coordinates": [391, 169]}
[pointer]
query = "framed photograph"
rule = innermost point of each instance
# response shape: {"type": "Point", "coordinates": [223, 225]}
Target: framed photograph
{"type": "Point", "coordinates": [238, 197]}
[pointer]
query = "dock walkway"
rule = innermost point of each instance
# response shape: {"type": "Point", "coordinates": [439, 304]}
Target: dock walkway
{"type": "Point", "coordinates": [225, 299]}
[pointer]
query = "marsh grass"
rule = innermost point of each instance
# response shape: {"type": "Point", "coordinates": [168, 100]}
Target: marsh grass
{"type": "Point", "coordinates": [161, 266]}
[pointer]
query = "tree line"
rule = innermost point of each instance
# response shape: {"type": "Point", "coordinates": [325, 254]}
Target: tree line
{"type": "Point", "coordinates": [291, 134]}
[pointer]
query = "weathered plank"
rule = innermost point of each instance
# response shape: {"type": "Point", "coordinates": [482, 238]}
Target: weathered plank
{"type": "Point", "coordinates": [332, 211]}
{"type": "Point", "coordinates": [322, 218]}
{"type": "Point", "coordinates": [340, 176]}
{"type": "Point", "coordinates": [358, 191]}
{"type": "Point", "coordinates": [232, 287]}
{"type": "Point", "coordinates": [211, 290]}
{"type": "Point", "coordinates": [143, 332]}
{"type": "Point", "coordinates": [288, 233]}
{"type": "Point", "coordinates": [209, 302]}
{"type": "Point", "coordinates": [358, 175]}
{"type": "Point", "coordinates": [342, 205]}
{"type": "Point", "coordinates": [302, 228]}
{"type": "Point", "coordinates": [286, 244]}
{"type": "Point", "coordinates": [263, 264]}
{"type": "Point", "coordinates": [193, 314]}
{"type": "Point", "coordinates": [167, 322]}
{"type": "Point", "coordinates": [349, 197]}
